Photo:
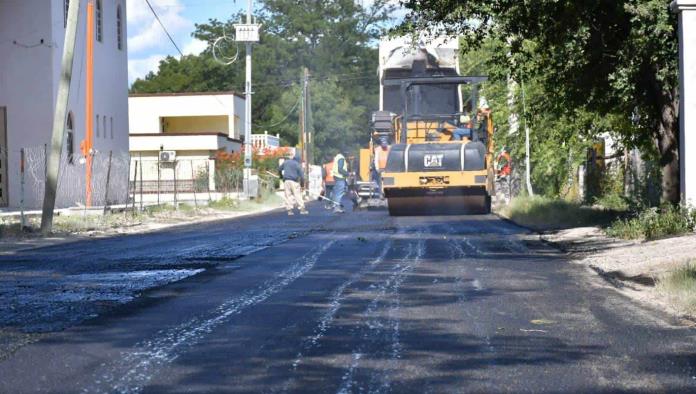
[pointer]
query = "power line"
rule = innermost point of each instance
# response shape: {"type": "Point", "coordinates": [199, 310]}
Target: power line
{"type": "Point", "coordinates": [164, 28]}
{"type": "Point", "coordinates": [284, 119]}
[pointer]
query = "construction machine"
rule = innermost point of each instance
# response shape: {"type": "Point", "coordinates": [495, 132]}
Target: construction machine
{"type": "Point", "coordinates": [441, 158]}
{"type": "Point", "coordinates": [431, 166]}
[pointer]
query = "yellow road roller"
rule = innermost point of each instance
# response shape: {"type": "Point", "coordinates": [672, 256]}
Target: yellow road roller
{"type": "Point", "coordinates": [442, 163]}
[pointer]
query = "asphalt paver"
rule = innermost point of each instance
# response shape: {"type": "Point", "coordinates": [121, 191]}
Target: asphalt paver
{"type": "Point", "coordinates": [359, 302]}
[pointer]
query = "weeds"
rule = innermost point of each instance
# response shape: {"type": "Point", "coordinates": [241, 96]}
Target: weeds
{"type": "Point", "coordinates": [82, 223]}
{"type": "Point", "coordinates": [655, 223]}
{"type": "Point", "coordinates": [679, 287]}
{"type": "Point", "coordinates": [544, 213]}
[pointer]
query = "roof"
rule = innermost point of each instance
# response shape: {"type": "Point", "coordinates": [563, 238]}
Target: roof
{"type": "Point", "coordinates": [183, 94]}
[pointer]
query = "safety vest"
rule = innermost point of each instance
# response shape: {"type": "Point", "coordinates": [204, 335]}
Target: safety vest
{"type": "Point", "coordinates": [334, 168]}
{"type": "Point", "coordinates": [381, 158]}
{"type": "Point", "coordinates": [328, 168]}
{"type": "Point", "coordinates": [503, 164]}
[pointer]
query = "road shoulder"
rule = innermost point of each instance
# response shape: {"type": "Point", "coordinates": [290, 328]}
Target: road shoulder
{"type": "Point", "coordinates": [633, 268]}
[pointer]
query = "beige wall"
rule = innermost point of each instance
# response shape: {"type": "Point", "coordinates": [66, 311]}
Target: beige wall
{"type": "Point", "coordinates": [195, 124]}
{"type": "Point", "coordinates": [146, 112]}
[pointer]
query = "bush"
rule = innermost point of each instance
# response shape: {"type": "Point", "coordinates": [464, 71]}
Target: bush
{"type": "Point", "coordinates": [655, 223]}
{"type": "Point", "coordinates": [224, 204]}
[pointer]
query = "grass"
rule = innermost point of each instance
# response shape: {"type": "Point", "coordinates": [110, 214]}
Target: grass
{"type": "Point", "coordinates": [544, 213]}
{"type": "Point", "coordinates": [679, 287]}
{"type": "Point", "coordinates": [655, 223]}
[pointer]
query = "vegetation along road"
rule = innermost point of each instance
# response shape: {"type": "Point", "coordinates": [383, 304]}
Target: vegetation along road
{"type": "Point", "coordinates": [359, 303]}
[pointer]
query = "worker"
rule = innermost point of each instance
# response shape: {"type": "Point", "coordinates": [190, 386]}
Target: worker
{"type": "Point", "coordinates": [329, 182]}
{"type": "Point", "coordinates": [380, 162]}
{"type": "Point", "coordinates": [503, 163]}
{"type": "Point", "coordinates": [464, 129]}
{"type": "Point", "coordinates": [340, 174]}
{"type": "Point", "coordinates": [293, 179]}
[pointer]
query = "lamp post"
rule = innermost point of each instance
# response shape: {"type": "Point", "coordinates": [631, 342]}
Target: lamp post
{"type": "Point", "coordinates": [687, 106]}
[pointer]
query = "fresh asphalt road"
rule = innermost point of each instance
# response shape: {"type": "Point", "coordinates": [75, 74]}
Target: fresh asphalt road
{"type": "Point", "coordinates": [360, 303]}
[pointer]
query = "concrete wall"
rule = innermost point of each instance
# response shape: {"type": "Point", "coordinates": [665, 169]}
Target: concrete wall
{"type": "Point", "coordinates": [29, 72]}
{"type": "Point", "coordinates": [146, 111]}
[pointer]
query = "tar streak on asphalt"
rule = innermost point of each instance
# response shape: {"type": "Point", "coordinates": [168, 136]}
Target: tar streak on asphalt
{"type": "Point", "coordinates": [135, 368]}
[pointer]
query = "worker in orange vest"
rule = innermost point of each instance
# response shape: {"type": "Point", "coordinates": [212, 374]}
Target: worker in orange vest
{"type": "Point", "coordinates": [329, 182]}
{"type": "Point", "coordinates": [380, 162]}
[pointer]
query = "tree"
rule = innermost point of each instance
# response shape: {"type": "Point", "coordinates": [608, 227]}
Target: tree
{"type": "Point", "coordinates": [333, 38]}
{"type": "Point", "coordinates": [608, 58]}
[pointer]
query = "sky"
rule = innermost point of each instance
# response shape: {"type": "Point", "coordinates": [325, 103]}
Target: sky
{"type": "Point", "coordinates": [147, 42]}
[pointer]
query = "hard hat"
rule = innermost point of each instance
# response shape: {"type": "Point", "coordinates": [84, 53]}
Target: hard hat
{"type": "Point", "coordinates": [464, 119]}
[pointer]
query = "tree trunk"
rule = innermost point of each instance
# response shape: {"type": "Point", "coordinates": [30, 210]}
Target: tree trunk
{"type": "Point", "coordinates": [667, 139]}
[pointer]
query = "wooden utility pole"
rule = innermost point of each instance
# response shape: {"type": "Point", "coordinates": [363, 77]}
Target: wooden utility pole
{"type": "Point", "coordinates": [59, 116]}
{"type": "Point", "coordinates": [309, 119]}
{"type": "Point", "coordinates": [305, 129]}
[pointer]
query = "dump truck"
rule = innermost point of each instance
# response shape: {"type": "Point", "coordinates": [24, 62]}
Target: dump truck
{"type": "Point", "coordinates": [441, 158]}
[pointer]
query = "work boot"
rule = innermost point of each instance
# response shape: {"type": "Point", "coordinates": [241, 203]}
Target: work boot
{"type": "Point", "coordinates": [290, 213]}
{"type": "Point", "coordinates": [304, 212]}
{"type": "Point", "coordinates": [339, 210]}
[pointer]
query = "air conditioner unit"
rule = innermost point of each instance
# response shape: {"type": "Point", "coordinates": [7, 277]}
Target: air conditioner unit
{"type": "Point", "coordinates": [167, 156]}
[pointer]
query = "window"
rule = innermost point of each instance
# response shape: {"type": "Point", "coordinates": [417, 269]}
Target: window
{"type": "Point", "coordinates": [119, 28]}
{"type": "Point", "coordinates": [99, 18]}
{"type": "Point", "coordinates": [97, 126]}
{"type": "Point", "coordinates": [104, 126]}
{"type": "Point", "coordinates": [66, 7]}
{"type": "Point", "coordinates": [70, 143]}
{"type": "Point", "coordinates": [112, 127]}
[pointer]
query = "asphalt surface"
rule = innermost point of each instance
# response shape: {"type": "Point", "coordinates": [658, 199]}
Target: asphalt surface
{"type": "Point", "coordinates": [357, 303]}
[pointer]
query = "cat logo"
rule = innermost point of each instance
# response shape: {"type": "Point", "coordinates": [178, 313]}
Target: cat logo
{"type": "Point", "coordinates": [433, 160]}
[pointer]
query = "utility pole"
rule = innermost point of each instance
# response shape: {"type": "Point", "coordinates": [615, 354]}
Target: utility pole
{"type": "Point", "coordinates": [88, 143]}
{"type": "Point", "coordinates": [528, 164]}
{"type": "Point", "coordinates": [59, 116]}
{"type": "Point", "coordinates": [248, 33]}
{"type": "Point", "coordinates": [304, 128]}
{"type": "Point", "coordinates": [309, 121]}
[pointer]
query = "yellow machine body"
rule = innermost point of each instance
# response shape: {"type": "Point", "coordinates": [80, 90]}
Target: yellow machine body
{"type": "Point", "coordinates": [456, 190]}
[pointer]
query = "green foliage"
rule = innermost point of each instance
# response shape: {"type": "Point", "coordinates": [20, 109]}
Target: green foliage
{"type": "Point", "coordinates": [225, 204]}
{"type": "Point", "coordinates": [558, 143]}
{"type": "Point", "coordinates": [334, 39]}
{"type": "Point", "coordinates": [593, 62]}
{"type": "Point", "coordinates": [655, 223]}
{"type": "Point", "coordinates": [544, 213]}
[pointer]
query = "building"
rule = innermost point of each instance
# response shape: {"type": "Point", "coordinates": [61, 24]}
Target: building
{"type": "Point", "coordinates": [175, 138]}
{"type": "Point", "coordinates": [31, 42]}
{"type": "Point", "coordinates": [265, 142]}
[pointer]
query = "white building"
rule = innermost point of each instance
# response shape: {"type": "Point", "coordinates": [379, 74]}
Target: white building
{"type": "Point", "coordinates": [31, 43]}
{"type": "Point", "coordinates": [182, 132]}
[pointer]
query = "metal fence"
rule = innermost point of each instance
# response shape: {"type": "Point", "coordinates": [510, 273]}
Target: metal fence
{"type": "Point", "coordinates": [25, 171]}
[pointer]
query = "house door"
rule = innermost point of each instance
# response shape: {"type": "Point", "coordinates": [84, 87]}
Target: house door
{"type": "Point", "coordinates": [4, 153]}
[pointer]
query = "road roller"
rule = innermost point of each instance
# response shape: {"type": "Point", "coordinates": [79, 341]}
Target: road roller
{"type": "Point", "coordinates": [441, 163]}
